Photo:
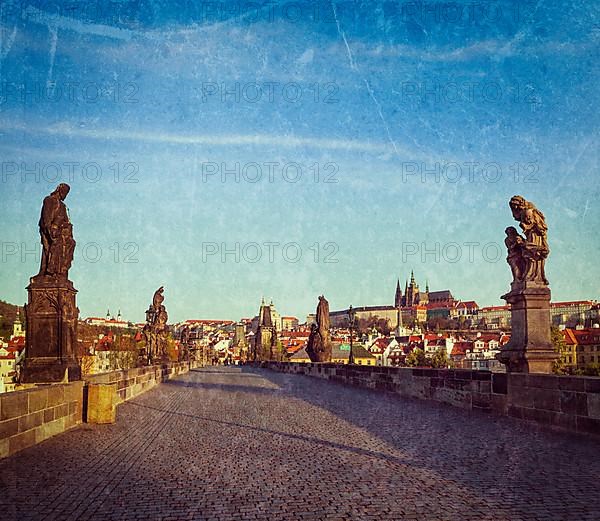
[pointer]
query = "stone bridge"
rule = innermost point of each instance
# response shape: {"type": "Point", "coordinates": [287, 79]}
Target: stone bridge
{"type": "Point", "coordinates": [248, 443]}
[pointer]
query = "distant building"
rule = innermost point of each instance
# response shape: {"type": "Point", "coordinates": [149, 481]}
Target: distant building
{"type": "Point", "coordinates": [569, 314]}
{"type": "Point", "coordinates": [8, 358]}
{"type": "Point", "coordinates": [583, 346]}
{"type": "Point", "coordinates": [108, 321]}
{"type": "Point", "coordinates": [592, 315]}
{"type": "Point", "coordinates": [572, 313]}
{"type": "Point", "coordinates": [495, 317]}
{"type": "Point", "coordinates": [483, 350]}
{"type": "Point", "coordinates": [294, 341]}
{"type": "Point", "coordinates": [275, 317]}
{"type": "Point", "coordinates": [289, 323]}
{"type": "Point", "coordinates": [381, 346]}
{"type": "Point", "coordinates": [11, 353]}
{"type": "Point", "coordinates": [265, 344]}
{"type": "Point", "coordinates": [340, 354]}
{"type": "Point", "coordinates": [239, 344]}
{"type": "Point", "coordinates": [396, 352]}
{"type": "Point", "coordinates": [412, 303]}
{"type": "Point", "coordinates": [467, 309]}
{"type": "Point", "coordinates": [18, 330]}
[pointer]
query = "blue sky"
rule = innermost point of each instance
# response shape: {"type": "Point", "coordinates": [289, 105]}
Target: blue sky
{"type": "Point", "coordinates": [373, 92]}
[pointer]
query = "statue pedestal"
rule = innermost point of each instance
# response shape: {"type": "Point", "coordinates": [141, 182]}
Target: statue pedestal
{"type": "Point", "coordinates": [530, 348]}
{"type": "Point", "coordinates": [51, 338]}
{"type": "Point", "coordinates": [319, 347]}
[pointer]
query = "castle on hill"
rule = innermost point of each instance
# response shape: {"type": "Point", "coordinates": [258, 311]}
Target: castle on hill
{"type": "Point", "coordinates": [414, 297]}
{"type": "Point", "coordinates": [410, 306]}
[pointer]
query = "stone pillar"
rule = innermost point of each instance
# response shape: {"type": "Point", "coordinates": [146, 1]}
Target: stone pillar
{"type": "Point", "coordinates": [51, 337]}
{"type": "Point", "coordinates": [530, 348]}
{"type": "Point", "coordinates": [101, 403]}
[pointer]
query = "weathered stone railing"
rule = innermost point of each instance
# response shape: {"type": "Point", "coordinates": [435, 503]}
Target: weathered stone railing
{"type": "Point", "coordinates": [566, 402]}
{"type": "Point", "coordinates": [133, 382]}
{"type": "Point", "coordinates": [33, 415]}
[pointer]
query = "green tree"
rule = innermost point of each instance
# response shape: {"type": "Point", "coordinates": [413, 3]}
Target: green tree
{"type": "Point", "coordinates": [416, 358]}
{"type": "Point", "coordinates": [440, 359]}
{"type": "Point", "coordinates": [123, 354]}
{"type": "Point", "coordinates": [561, 365]}
{"type": "Point", "coordinates": [382, 325]}
{"type": "Point", "coordinates": [439, 324]}
{"type": "Point", "coordinates": [279, 352]}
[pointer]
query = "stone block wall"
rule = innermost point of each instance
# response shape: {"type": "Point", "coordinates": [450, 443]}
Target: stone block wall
{"type": "Point", "coordinates": [133, 382]}
{"type": "Point", "coordinates": [566, 402]}
{"type": "Point", "coordinates": [33, 415]}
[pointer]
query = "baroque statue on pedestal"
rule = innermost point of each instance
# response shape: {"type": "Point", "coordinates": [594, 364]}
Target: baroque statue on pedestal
{"type": "Point", "coordinates": [530, 349]}
{"type": "Point", "coordinates": [51, 311]}
{"type": "Point", "coordinates": [527, 255]}
{"type": "Point", "coordinates": [155, 331]}
{"type": "Point", "coordinates": [319, 343]}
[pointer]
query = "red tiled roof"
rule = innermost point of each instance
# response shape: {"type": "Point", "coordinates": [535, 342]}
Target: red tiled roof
{"type": "Point", "coordinates": [469, 304]}
{"type": "Point", "coordinates": [209, 321]}
{"type": "Point", "coordinates": [295, 334]}
{"type": "Point", "coordinates": [18, 342]}
{"type": "Point", "coordinates": [569, 335]}
{"type": "Point", "coordinates": [588, 336]}
{"type": "Point", "coordinates": [486, 337]}
{"type": "Point", "coordinates": [382, 343]}
{"type": "Point", "coordinates": [572, 303]}
{"type": "Point", "coordinates": [437, 342]}
{"type": "Point", "coordinates": [435, 336]}
{"type": "Point", "coordinates": [460, 348]}
{"type": "Point", "coordinates": [294, 348]}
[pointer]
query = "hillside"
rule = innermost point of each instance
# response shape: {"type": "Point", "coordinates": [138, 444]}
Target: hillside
{"type": "Point", "coordinates": [8, 312]}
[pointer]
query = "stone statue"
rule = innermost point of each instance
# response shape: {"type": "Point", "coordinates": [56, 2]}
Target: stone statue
{"type": "Point", "coordinates": [155, 331]}
{"type": "Point", "coordinates": [185, 335]}
{"type": "Point", "coordinates": [158, 298]}
{"type": "Point", "coordinates": [51, 311]}
{"type": "Point", "coordinates": [530, 349]}
{"type": "Point", "coordinates": [514, 243]}
{"type": "Point", "coordinates": [184, 341]}
{"type": "Point", "coordinates": [56, 232]}
{"type": "Point", "coordinates": [319, 343]}
{"type": "Point", "coordinates": [527, 255]}
{"type": "Point", "coordinates": [161, 319]}
{"type": "Point", "coordinates": [323, 313]}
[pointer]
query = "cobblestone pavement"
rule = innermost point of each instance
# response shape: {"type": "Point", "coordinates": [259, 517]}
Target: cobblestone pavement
{"type": "Point", "coordinates": [239, 443]}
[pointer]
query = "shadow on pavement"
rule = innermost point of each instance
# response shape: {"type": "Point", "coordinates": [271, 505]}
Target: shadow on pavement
{"type": "Point", "coordinates": [489, 454]}
{"type": "Point", "coordinates": [230, 388]}
{"type": "Point", "coordinates": [291, 436]}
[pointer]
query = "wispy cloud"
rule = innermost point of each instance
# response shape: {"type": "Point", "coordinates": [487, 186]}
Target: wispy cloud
{"type": "Point", "coordinates": [31, 14]}
{"type": "Point", "coordinates": [498, 48]}
{"type": "Point", "coordinates": [66, 129]}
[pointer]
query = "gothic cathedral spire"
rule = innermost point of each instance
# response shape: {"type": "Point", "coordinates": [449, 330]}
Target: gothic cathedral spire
{"type": "Point", "coordinates": [398, 297]}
